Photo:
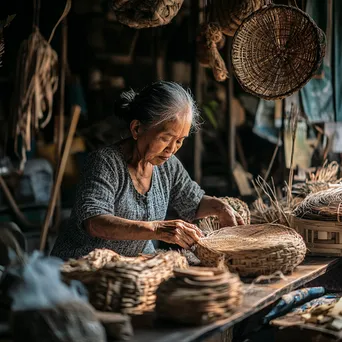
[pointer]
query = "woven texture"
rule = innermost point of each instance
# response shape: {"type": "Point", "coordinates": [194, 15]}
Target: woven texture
{"type": "Point", "coordinates": [211, 223]}
{"type": "Point", "coordinates": [199, 295]}
{"type": "Point", "coordinates": [123, 284]}
{"type": "Point", "coordinates": [229, 14]}
{"type": "Point", "coordinates": [276, 51]}
{"type": "Point", "coordinates": [253, 250]}
{"type": "Point", "coordinates": [147, 13]}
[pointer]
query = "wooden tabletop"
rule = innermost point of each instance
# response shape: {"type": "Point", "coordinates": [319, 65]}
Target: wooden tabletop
{"type": "Point", "coordinates": [256, 298]}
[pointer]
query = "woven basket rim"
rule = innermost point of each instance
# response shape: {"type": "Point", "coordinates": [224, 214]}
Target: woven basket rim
{"type": "Point", "coordinates": [254, 249]}
{"type": "Point", "coordinates": [326, 223]}
{"type": "Point", "coordinates": [320, 55]}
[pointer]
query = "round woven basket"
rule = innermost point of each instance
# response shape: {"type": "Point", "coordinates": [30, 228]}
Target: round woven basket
{"type": "Point", "coordinates": [148, 13]}
{"type": "Point", "coordinates": [123, 284]}
{"type": "Point", "coordinates": [211, 223]}
{"type": "Point", "coordinates": [276, 51]}
{"type": "Point", "coordinates": [253, 250]}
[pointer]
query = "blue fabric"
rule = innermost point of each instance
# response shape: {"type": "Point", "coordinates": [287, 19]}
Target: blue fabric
{"type": "Point", "coordinates": [337, 14]}
{"type": "Point", "coordinates": [264, 125]}
{"type": "Point", "coordinates": [317, 95]}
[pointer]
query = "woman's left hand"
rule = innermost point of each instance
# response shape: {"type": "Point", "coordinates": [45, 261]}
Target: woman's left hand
{"type": "Point", "coordinates": [228, 216]}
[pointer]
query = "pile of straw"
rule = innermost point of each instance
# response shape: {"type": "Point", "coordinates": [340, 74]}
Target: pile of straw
{"type": "Point", "coordinates": [199, 296]}
{"type": "Point", "coordinates": [253, 250]}
{"type": "Point", "coordinates": [324, 178]}
{"type": "Point", "coordinates": [123, 284]}
{"type": "Point", "coordinates": [324, 205]}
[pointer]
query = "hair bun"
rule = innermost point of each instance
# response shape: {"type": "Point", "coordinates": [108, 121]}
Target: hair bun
{"type": "Point", "coordinates": [124, 104]}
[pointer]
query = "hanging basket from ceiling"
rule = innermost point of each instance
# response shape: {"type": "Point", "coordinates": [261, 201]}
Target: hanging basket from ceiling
{"type": "Point", "coordinates": [276, 51]}
{"type": "Point", "coordinates": [229, 14]}
{"type": "Point", "coordinates": [148, 13]}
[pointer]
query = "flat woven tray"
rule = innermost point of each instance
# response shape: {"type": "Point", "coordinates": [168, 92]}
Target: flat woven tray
{"type": "Point", "coordinates": [276, 51]}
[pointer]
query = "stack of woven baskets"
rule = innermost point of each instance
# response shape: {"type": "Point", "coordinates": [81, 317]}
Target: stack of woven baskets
{"type": "Point", "coordinates": [123, 284]}
{"type": "Point", "coordinates": [199, 295]}
{"type": "Point", "coordinates": [252, 250]}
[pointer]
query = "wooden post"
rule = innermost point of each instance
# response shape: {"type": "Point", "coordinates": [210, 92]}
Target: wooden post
{"type": "Point", "coordinates": [196, 83]}
{"type": "Point", "coordinates": [230, 123]}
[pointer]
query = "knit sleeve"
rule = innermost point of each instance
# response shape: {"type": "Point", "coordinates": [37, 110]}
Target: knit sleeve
{"type": "Point", "coordinates": [185, 194]}
{"type": "Point", "coordinates": [97, 187]}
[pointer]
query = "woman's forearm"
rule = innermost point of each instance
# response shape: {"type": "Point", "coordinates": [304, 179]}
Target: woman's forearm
{"type": "Point", "coordinates": [209, 206]}
{"type": "Point", "coordinates": [111, 227]}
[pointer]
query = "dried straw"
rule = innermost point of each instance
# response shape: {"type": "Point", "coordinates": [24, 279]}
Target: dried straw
{"type": "Point", "coordinates": [36, 82]}
{"type": "Point", "coordinates": [324, 205]}
{"type": "Point", "coordinates": [253, 250]}
{"type": "Point", "coordinates": [199, 295]}
{"type": "Point", "coordinates": [123, 284]}
{"type": "Point", "coordinates": [275, 212]}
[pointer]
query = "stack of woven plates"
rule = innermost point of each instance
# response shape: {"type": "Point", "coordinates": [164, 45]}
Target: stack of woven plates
{"type": "Point", "coordinates": [199, 295]}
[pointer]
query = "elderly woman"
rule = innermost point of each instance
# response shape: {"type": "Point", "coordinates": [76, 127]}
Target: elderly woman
{"type": "Point", "coordinates": [126, 188]}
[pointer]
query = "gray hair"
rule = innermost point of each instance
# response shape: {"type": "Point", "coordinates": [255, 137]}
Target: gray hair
{"type": "Point", "coordinates": [159, 102]}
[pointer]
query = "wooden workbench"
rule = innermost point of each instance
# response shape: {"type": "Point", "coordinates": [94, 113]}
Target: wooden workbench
{"type": "Point", "coordinates": [257, 297]}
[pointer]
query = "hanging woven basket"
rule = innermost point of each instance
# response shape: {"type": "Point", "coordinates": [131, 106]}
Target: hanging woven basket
{"type": "Point", "coordinates": [276, 51]}
{"type": "Point", "coordinates": [229, 14]}
{"type": "Point", "coordinates": [148, 13]}
{"type": "Point", "coordinates": [253, 250]}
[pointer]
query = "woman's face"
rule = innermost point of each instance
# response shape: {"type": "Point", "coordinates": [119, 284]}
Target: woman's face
{"type": "Point", "coordinates": [157, 144]}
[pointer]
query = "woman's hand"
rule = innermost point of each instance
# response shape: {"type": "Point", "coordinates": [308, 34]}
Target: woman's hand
{"type": "Point", "coordinates": [177, 232]}
{"type": "Point", "coordinates": [228, 216]}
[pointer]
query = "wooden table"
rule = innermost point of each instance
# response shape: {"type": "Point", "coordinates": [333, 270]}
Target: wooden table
{"type": "Point", "coordinates": [257, 297]}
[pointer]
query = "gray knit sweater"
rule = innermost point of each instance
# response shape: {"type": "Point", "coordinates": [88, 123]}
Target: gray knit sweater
{"type": "Point", "coordinates": [107, 188]}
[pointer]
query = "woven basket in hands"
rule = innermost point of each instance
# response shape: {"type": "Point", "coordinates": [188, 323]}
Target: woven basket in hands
{"type": "Point", "coordinates": [276, 51]}
{"type": "Point", "coordinates": [199, 295]}
{"type": "Point", "coordinates": [253, 250]}
{"type": "Point", "coordinates": [123, 284]}
{"type": "Point", "coordinates": [212, 223]}
{"type": "Point", "coordinates": [229, 14]}
{"type": "Point", "coordinates": [148, 13]}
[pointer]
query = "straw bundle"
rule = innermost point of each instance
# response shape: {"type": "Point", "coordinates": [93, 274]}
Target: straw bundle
{"type": "Point", "coordinates": [276, 51]}
{"type": "Point", "coordinates": [324, 178]}
{"type": "Point", "coordinates": [277, 211]}
{"type": "Point", "coordinates": [148, 13]}
{"type": "Point", "coordinates": [324, 205]}
{"type": "Point", "coordinates": [253, 250]}
{"type": "Point", "coordinates": [36, 83]}
{"type": "Point", "coordinates": [123, 284]}
{"type": "Point", "coordinates": [199, 295]}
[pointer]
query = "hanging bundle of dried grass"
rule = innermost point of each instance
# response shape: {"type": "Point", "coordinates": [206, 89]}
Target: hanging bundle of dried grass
{"type": "Point", "coordinates": [324, 205]}
{"type": "Point", "coordinates": [36, 83]}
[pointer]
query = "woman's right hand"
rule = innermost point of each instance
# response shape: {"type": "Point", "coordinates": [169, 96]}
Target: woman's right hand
{"type": "Point", "coordinates": [177, 232]}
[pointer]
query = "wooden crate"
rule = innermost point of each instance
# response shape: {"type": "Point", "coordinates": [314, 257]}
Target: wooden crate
{"type": "Point", "coordinates": [322, 238]}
